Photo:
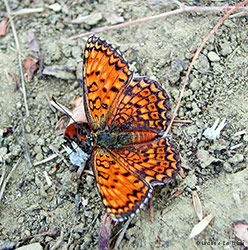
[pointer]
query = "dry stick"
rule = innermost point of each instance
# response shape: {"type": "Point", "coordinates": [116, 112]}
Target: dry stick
{"type": "Point", "coordinates": [194, 59]}
{"type": "Point", "coordinates": [8, 177]}
{"type": "Point", "coordinates": [51, 157]}
{"type": "Point", "coordinates": [26, 144]}
{"type": "Point", "coordinates": [27, 11]}
{"type": "Point", "coordinates": [182, 9]}
{"type": "Point", "coordinates": [3, 174]}
{"type": "Point", "coordinates": [19, 56]}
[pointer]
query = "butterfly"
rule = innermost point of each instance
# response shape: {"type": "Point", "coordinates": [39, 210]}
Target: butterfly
{"type": "Point", "coordinates": [126, 117]}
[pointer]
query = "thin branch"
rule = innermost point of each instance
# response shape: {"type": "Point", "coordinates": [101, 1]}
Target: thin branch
{"type": "Point", "coordinates": [194, 59]}
{"type": "Point", "coordinates": [182, 9]}
{"type": "Point", "coordinates": [19, 56]}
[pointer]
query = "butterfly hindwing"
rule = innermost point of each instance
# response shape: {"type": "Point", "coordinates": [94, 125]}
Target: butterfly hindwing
{"type": "Point", "coordinates": [122, 191]}
{"type": "Point", "coordinates": [156, 162]}
{"type": "Point", "coordinates": [143, 108]}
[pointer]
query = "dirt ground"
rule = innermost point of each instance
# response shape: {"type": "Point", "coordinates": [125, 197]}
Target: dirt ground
{"type": "Point", "coordinates": [32, 211]}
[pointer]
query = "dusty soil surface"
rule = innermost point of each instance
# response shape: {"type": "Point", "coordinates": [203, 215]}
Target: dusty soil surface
{"type": "Point", "coordinates": [32, 211]}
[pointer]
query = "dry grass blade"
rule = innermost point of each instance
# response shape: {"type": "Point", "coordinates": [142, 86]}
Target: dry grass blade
{"type": "Point", "coordinates": [51, 157]}
{"type": "Point", "coordinates": [59, 106]}
{"type": "Point", "coordinates": [198, 228]}
{"type": "Point", "coordinates": [4, 182]}
{"type": "Point", "coordinates": [56, 151]}
{"type": "Point", "coordinates": [19, 57]}
{"type": "Point", "coordinates": [49, 182]}
{"type": "Point", "coordinates": [59, 241]}
{"type": "Point", "coordinates": [197, 204]}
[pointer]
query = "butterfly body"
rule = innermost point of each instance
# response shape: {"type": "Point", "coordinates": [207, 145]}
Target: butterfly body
{"type": "Point", "coordinates": [126, 118]}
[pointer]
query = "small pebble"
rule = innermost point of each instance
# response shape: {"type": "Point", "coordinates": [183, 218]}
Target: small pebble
{"type": "Point", "coordinates": [195, 84]}
{"type": "Point", "coordinates": [236, 158]}
{"type": "Point", "coordinates": [205, 158]}
{"type": "Point", "coordinates": [93, 19]}
{"type": "Point", "coordinates": [227, 167]}
{"type": "Point", "coordinates": [213, 57]}
{"type": "Point", "coordinates": [34, 246]}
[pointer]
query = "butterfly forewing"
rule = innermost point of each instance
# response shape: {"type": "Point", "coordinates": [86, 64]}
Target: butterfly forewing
{"type": "Point", "coordinates": [105, 75]}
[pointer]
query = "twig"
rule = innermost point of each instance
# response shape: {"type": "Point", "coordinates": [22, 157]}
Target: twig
{"type": "Point", "coordinates": [3, 174]}
{"type": "Point", "coordinates": [194, 59]}
{"type": "Point", "coordinates": [51, 157]}
{"type": "Point", "coordinates": [8, 177]}
{"type": "Point", "coordinates": [49, 102]}
{"type": "Point", "coordinates": [182, 121]}
{"type": "Point", "coordinates": [56, 151]}
{"type": "Point", "coordinates": [27, 11]}
{"type": "Point", "coordinates": [118, 242]}
{"type": "Point", "coordinates": [182, 9]}
{"type": "Point", "coordinates": [59, 241]}
{"type": "Point", "coordinates": [19, 56]}
{"type": "Point", "coordinates": [26, 144]}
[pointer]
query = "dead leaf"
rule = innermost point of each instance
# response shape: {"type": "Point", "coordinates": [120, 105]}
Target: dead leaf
{"type": "Point", "coordinates": [32, 43]}
{"type": "Point", "coordinates": [59, 71]}
{"type": "Point", "coordinates": [3, 27]}
{"type": "Point", "coordinates": [78, 113]}
{"type": "Point", "coordinates": [17, 85]}
{"type": "Point", "coordinates": [30, 66]}
{"type": "Point", "coordinates": [241, 231]}
{"type": "Point", "coordinates": [198, 228]}
{"type": "Point", "coordinates": [197, 204]}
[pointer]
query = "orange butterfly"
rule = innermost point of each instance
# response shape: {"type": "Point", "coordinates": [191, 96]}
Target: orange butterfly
{"type": "Point", "coordinates": [127, 117]}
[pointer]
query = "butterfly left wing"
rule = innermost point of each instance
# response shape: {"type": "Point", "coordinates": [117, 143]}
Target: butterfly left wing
{"type": "Point", "coordinates": [122, 191]}
{"type": "Point", "coordinates": [105, 75]}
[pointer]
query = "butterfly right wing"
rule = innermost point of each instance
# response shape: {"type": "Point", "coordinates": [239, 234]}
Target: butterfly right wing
{"type": "Point", "coordinates": [157, 161]}
{"type": "Point", "coordinates": [125, 175]}
{"type": "Point", "coordinates": [143, 109]}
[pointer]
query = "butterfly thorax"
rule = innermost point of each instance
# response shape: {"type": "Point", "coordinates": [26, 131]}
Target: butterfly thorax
{"type": "Point", "coordinates": [112, 139]}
